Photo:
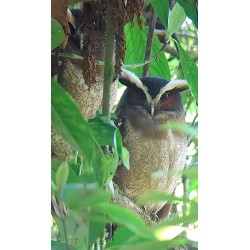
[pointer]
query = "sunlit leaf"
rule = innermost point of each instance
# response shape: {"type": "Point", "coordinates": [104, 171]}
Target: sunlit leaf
{"type": "Point", "coordinates": [161, 9]}
{"type": "Point", "coordinates": [168, 232]}
{"type": "Point", "coordinates": [62, 175]}
{"type": "Point", "coordinates": [176, 19]}
{"type": "Point", "coordinates": [122, 151]}
{"type": "Point", "coordinates": [57, 34]}
{"type": "Point", "coordinates": [190, 71]}
{"type": "Point", "coordinates": [125, 157]}
{"type": "Point", "coordinates": [125, 239]}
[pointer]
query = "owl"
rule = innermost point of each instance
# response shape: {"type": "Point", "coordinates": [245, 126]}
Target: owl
{"type": "Point", "coordinates": [88, 96]}
{"type": "Point", "coordinates": [157, 153]}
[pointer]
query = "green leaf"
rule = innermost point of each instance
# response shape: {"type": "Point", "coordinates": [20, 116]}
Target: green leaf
{"type": "Point", "coordinates": [53, 187]}
{"type": "Point", "coordinates": [126, 239]}
{"type": "Point", "coordinates": [72, 178]}
{"type": "Point", "coordinates": [176, 126]}
{"type": "Point", "coordinates": [168, 232]}
{"type": "Point", "coordinates": [190, 71]}
{"type": "Point", "coordinates": [143, 244]}
{"type": "Point", "coordinates": [136, 46]}
{"type": "Point", "coordinates": [76, 225]}
{"type": "Point", "coordinates": [125, 217]}
{"type": "Point", "coordinates": [69, 123]}
{"type": "Point", "coordinates": [176, 19]}
{"type": "Point", "coordinates": [104, 130]}
{"type": "Point", "coordinates": [122, 234]}
{"type": "Point", "coordinates": [79, 196]}
{"type": "Point", "coordinates": [122, 151]}
{"type": "Point", "coordinates": [190, 9]}
{"type": "Point", "coordinates": [56, 245]}
{"type": "Point", "coordinates": [57, 34]}
{"type": "Point", "coordinates": [191, 173]}
{"type": "Point", "coordinates": [125, 157]}
{"type": "Point", "coordinates": [156, 196]}
{"type": "Point", "coordinates": [96, 230]}
{"type": "Point", "coordinates": [75, 163]}
{"type": "Point", "coordinates": [55, 164]}
{"type": "Point", "coordinates": [62, 175]}
{"type": "Point", "coordinates": [110, 163]}
{"type": "Point", "coordinates": [161, 9]}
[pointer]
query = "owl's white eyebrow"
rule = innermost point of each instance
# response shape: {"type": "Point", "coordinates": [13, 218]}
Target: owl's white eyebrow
{"type": "Point", "coordinates": [174, 84]}
{"type": "Point", "coordinates": [134, 79]}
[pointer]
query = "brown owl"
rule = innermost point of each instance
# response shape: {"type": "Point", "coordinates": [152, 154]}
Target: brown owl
{"type": "Point", "coordinates": [157, 154]}
{"type": "Point", "coordinates": [83, 80]}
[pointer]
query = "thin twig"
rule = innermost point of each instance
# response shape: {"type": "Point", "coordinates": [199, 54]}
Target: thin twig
{"type": "Point", "coordinates": [185, 195]}
{"type": "Point", "coordinates": [163, 33]}
{"type": "Point", "coordinates": [190, 139]}
{"type": "Point", "coordinates": [132, 66]}
{"type": "Point", "coordinates": [65, 234]}
{"type": "Point", "coordinates": [150, 36]}
{"type": "Point", "coordinates": [192, 124]}
{"type": "Point", "coordinates": [147, 61]}
{"type": "Point", "coordinates": [185, 35]}
{"type": "Point", "coordinates": [171, 51]}
{"type": "Point", "coordinates": [108, 60]}
{"type": "Point", "coordinates": [76, 57]}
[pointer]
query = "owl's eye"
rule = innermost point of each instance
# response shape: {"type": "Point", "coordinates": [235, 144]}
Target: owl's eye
{"type": "Point", "coordinates": [142, 95]}
{"type": "Point", "coordinates": [165, 96]}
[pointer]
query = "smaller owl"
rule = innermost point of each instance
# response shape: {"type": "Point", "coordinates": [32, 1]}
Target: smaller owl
{"type": "Point", "coordinates": [71, 72]}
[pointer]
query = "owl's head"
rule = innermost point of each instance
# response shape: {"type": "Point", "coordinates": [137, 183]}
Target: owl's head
{"type": "Point", "coordinates": [153, 94]}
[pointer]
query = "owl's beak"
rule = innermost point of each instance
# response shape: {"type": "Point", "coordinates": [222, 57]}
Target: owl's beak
{"type": "Point", "coordinates": [152, 108]}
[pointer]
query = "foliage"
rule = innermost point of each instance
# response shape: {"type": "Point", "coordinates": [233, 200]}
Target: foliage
{"type": "Point", "coordinates": [83, 184]}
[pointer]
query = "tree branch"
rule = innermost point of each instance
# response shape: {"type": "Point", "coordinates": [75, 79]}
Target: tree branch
{"type": "Point", "coordinates": [147, 61]}
{"type": "Point", "coordinates": [124, 201]}
{"type": "Point", "coordinates": [165, 47]}
{"type": "Point", "coordinates": [108, 60]}
{"type": "Point", "coordinates": [159, 32]}
{"type": "Point", "coordinates": [150, 36]}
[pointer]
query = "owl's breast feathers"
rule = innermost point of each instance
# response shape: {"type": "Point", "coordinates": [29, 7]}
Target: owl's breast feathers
{"type": "Point", "coordinates": [157, 156]}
